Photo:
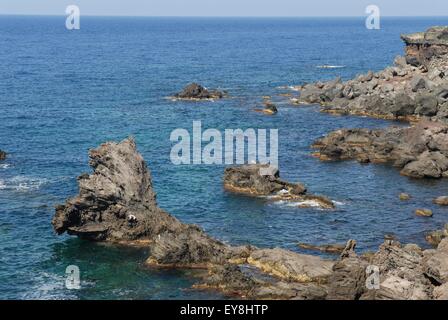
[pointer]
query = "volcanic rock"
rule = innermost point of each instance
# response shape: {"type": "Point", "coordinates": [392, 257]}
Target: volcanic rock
{"type": "Point", "coordinates": [195, 91]}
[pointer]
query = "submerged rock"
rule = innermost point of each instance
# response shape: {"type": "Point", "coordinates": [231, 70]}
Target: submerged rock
{"type": "Point", "coordinates": [420, 151]}
{"type": "Point", "coordinates": [423, 213]}
{"type": "Point", "coordinates": [441, 201]}
{"type": "Point", "coordinates": [264, 181]}
{"type": "Point", "coordinates": [404, 197]}
{"type": "Point", "coordinates": [2, 155]}
{"type": "Point", "coordinates": [195, 91]}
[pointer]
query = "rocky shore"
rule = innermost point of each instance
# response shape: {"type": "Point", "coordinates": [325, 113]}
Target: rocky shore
{"type": "Point", "coordinates": [420, 151]}
{"type": "Point", "coordinates": [251, 180]}
{"type": "Point", "coordinates": [116, 203]}
{"type": "Point", "coordinates": [197, 92]}
{"type": "Point", "coordinates": [415, 87]}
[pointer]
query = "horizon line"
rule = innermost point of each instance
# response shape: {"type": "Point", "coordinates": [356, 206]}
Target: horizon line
{"type": "Point", "coordinates": [226, 16]}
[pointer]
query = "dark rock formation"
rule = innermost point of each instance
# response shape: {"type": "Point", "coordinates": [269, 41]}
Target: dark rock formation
{"type": "Point", "coordinates": [422, 47]}
{"type": "Point", "coordinates": [195, 91]}
{"type": "Point", "coordinates": [116, 203]}
{"type": "Point", "coordinates": [416, 87]}
{"type": "Point", "coordinates": [2, 155]}
{"type": "Point", "coordinates": [269, 108]}
{"type": "Point", "coordinates": [420, 151]}
{"type": "Point", "coordinates": [264, 181]}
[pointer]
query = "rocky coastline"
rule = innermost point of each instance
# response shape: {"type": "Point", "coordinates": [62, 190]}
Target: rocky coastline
{"type": "Point", "coordinates": [415, 87]}
{"type": "Point", "coordinates": [116, 203]}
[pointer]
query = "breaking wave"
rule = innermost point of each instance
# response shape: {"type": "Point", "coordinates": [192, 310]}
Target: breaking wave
{"type": "Point", "coordinates": [22, 183]}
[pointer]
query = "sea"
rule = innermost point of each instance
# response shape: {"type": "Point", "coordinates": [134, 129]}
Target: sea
{"type": "Point", "coordinates": [63, 92]}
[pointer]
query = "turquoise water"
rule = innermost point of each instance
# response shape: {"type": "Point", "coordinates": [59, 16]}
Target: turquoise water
{"type": "Point", "coordinates": [64, 92]}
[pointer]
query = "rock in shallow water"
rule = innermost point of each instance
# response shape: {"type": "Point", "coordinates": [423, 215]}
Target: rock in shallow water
{"type": "Point", "coordinates": [420, 151]}
{"type": "Point", "coordinates": [264, 181]}
{"type": "Point", "coordinates": [117, 203]}
{"type": "Point", "coordinates": [195, 91]}
{"type": "Point", "coordinates": [2, 155]}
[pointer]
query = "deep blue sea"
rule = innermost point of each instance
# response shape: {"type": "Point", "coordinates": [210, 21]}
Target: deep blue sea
{"type": "Point", "coordinates": [63, 92]}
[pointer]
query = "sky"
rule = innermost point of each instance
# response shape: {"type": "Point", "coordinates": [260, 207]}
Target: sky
{"type": "Point", "coordinates": [246, 8]}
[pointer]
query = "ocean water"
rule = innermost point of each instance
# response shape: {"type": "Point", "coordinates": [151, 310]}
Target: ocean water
{"type": "Point", "coordinates": [63, 92]}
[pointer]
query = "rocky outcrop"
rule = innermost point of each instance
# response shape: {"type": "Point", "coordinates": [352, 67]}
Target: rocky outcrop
{"type": "Point", "coordinates": [195, 91]}
{"type": "Point", "coordinates": [2, 155]}
{"type": "Point", "coordinates": [117, 203]}
{"type": "Point", "coordinates": [420, 151]}
{"type": "Point", "coordinates": [423, 47]}
{"type": "Point", "coordinates": [415, 87]}
{"type": "Point", "coordinates": [264, 181]}
{"type": "Point", "coordinates": [268, 109]}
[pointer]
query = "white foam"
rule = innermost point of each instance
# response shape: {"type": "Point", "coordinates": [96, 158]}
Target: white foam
{"type": "Point", "coordinates": [4, 166]}
{"type": "Point", "coordinates": [329, 67]}
{"type": "Point", "coordinates": [22, 183]}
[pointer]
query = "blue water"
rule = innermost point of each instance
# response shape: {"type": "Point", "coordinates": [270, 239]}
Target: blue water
{"type": "Point", "coordinates": [63, 92]}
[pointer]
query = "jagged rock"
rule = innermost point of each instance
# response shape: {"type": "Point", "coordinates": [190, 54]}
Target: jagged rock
{"type": "Point", "coordinates": [2, 155]}
{"type": "Point", "coordinates": [428, 165]}
{"type": "Point", "coordinates": [426, 105]}
{"type": "Point", "coordinates": [401, 273]}
{"type": "Point", "coordinates": [442, 201]}
{"type": "Point", "coordinates": [418, 83]}
{"type": "Point", "coordinates": [263, 180]}
{"type": "Point", "coordinates": [348, 280]}
{"type": "Point", "coordinates": [116, 203]}
{"type": "Point", "coordinates": [195, 91]}
{"type": "Point", "coordinates": [436, 265]}
{"type": "Point", "coordinates": [404, 91]}
{"type": "Point", "coordinates": [422, 47]}
{"type": "Point", "coordinates": [421, 151]}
